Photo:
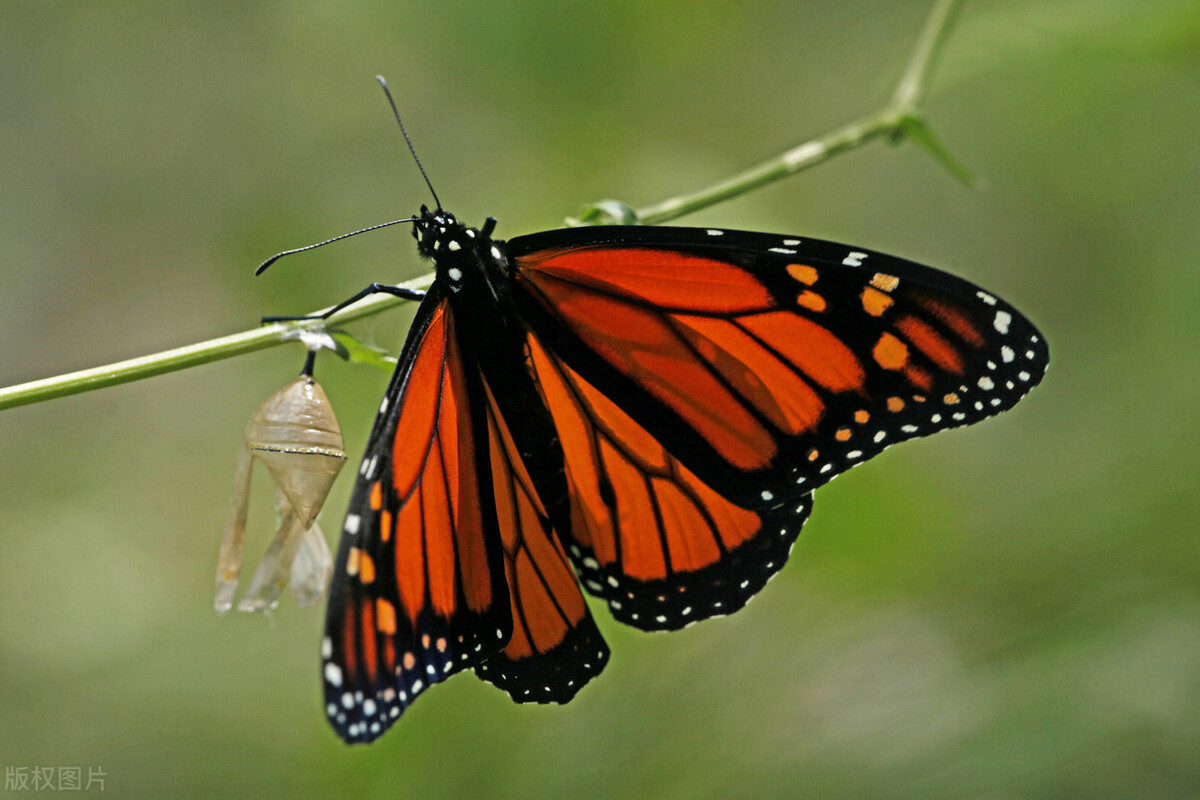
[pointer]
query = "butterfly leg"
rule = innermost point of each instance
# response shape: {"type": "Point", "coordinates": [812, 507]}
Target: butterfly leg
{"type": "Point", "coordinates": [374, 288]}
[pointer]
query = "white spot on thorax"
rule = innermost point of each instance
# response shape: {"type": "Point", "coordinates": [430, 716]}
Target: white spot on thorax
{"type": "Point", "coordinates": [455, 273]}
{"type": "Point", "coordinates": [454, 245]}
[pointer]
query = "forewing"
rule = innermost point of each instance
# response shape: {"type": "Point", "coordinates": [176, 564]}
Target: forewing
{"type": "Point", "coordinates": [769, 364]}
{"type": "Point", "coordinates": [419, 589]}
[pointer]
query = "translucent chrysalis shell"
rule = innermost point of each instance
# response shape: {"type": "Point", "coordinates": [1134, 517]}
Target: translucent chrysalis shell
{"type": "Point", "coordinates": [295, 434]}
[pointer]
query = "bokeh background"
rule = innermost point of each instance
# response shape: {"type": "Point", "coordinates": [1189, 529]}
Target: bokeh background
{"type": "Point", "coordinates": [1007, 611]}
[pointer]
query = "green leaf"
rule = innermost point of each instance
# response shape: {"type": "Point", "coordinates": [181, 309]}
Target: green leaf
{"type": "Point", "coordinates": [356, 352]}
{"type": "Point", "coordinates": [914, 128]}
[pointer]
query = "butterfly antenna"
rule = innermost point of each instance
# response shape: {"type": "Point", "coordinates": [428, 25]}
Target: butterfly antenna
{"type": "Point", "coordinates": [411, 149]}
{"type": "Point", "coordinates": [263, 266]}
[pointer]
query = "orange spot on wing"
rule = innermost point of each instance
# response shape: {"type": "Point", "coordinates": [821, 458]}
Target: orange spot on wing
{"type": "Point", "coordinates": [376, 496]}
{"type": "Point", "coordinates": [410, 660]}
{"type": "Point", "coordinates": [352, 559]}
{"type": "Point", "coordinates": [875, 302]}
{"type": "Point", "coordinates": [385, 615]}
{"type": "Point", "coordinates": [890, 352]}
{"type": "Point", "coordinates": [885, 282]}
{"type": "Point", "coordinates": [861, 416]}
{"type": "Point", "coordinates": [931, 343]}
{"type": "Point", "coordinates": [366, 568]}
{"type": "Point", "coordinates": [385, 525]}
{"type": "Point", "coordinates": [811, 300]}
{"type": "Point", "coordinates": [843, 435]}
{"type": "Point", "coordinates": [803, 273]}
{"type": "Point", "coordinates": [951, 399]}
{"type": "Point", "coordinates": [895, 404]}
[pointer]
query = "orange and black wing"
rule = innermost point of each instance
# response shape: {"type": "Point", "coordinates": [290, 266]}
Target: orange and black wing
{"type": "Point", "coordinates": [419, 589]}
{"type": "Point", "coordinates": [768, 365]}
{"type": "Point", "coordinates": [705, 382]}
{"type": "Point", "coordinates": [647, 536]}
{"type": "Point", "coordinates": [555, 646]}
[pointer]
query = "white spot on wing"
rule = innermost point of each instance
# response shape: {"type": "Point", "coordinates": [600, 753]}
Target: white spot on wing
{"type": "Point", "coordinates": [854, 259]}
{"type": "Point", "coordinates": [352, 523]}
{"type": "Point", "coordinates": [333, 674]}
{"type": "Point", "coordinates": [1003, 318]}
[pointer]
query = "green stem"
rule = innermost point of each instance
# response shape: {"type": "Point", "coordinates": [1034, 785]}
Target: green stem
{"type": "Point", "coordinates": [192, 355]}
{"type": "Point", "coordinates": [894, 120]}
{"type": "Point", "coordinates": [899, 117]}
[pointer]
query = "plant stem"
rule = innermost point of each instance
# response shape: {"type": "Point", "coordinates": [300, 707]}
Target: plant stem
{"type": "Point", "coordinates": [892, 120]}
{"type": "Point", "coordinates": [192, 355]}
{"type": "Point", "coordinates": [901, 116]}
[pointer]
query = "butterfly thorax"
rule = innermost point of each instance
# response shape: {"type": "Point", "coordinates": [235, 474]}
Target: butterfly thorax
{"type": "Point", "coordinates": [466, 258]}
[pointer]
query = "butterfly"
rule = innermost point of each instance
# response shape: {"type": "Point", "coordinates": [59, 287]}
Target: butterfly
{"type": "Point", "coordinates": [641, 413]}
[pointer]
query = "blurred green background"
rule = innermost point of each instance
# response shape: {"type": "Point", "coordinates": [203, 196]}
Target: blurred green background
{"type": "Point", "coordinates": [1008, 611]}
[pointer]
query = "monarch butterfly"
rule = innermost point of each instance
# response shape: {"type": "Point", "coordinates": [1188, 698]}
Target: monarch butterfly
{"type": "Point", "coordinates": [645, 411]}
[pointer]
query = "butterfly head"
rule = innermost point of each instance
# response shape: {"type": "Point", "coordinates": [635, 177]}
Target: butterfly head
{"type": "Point", "coordinates": [434, 229]}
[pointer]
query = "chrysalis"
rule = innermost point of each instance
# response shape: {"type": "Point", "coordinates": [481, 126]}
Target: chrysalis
{"type": "Point", "coordinates": [296, 435]}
